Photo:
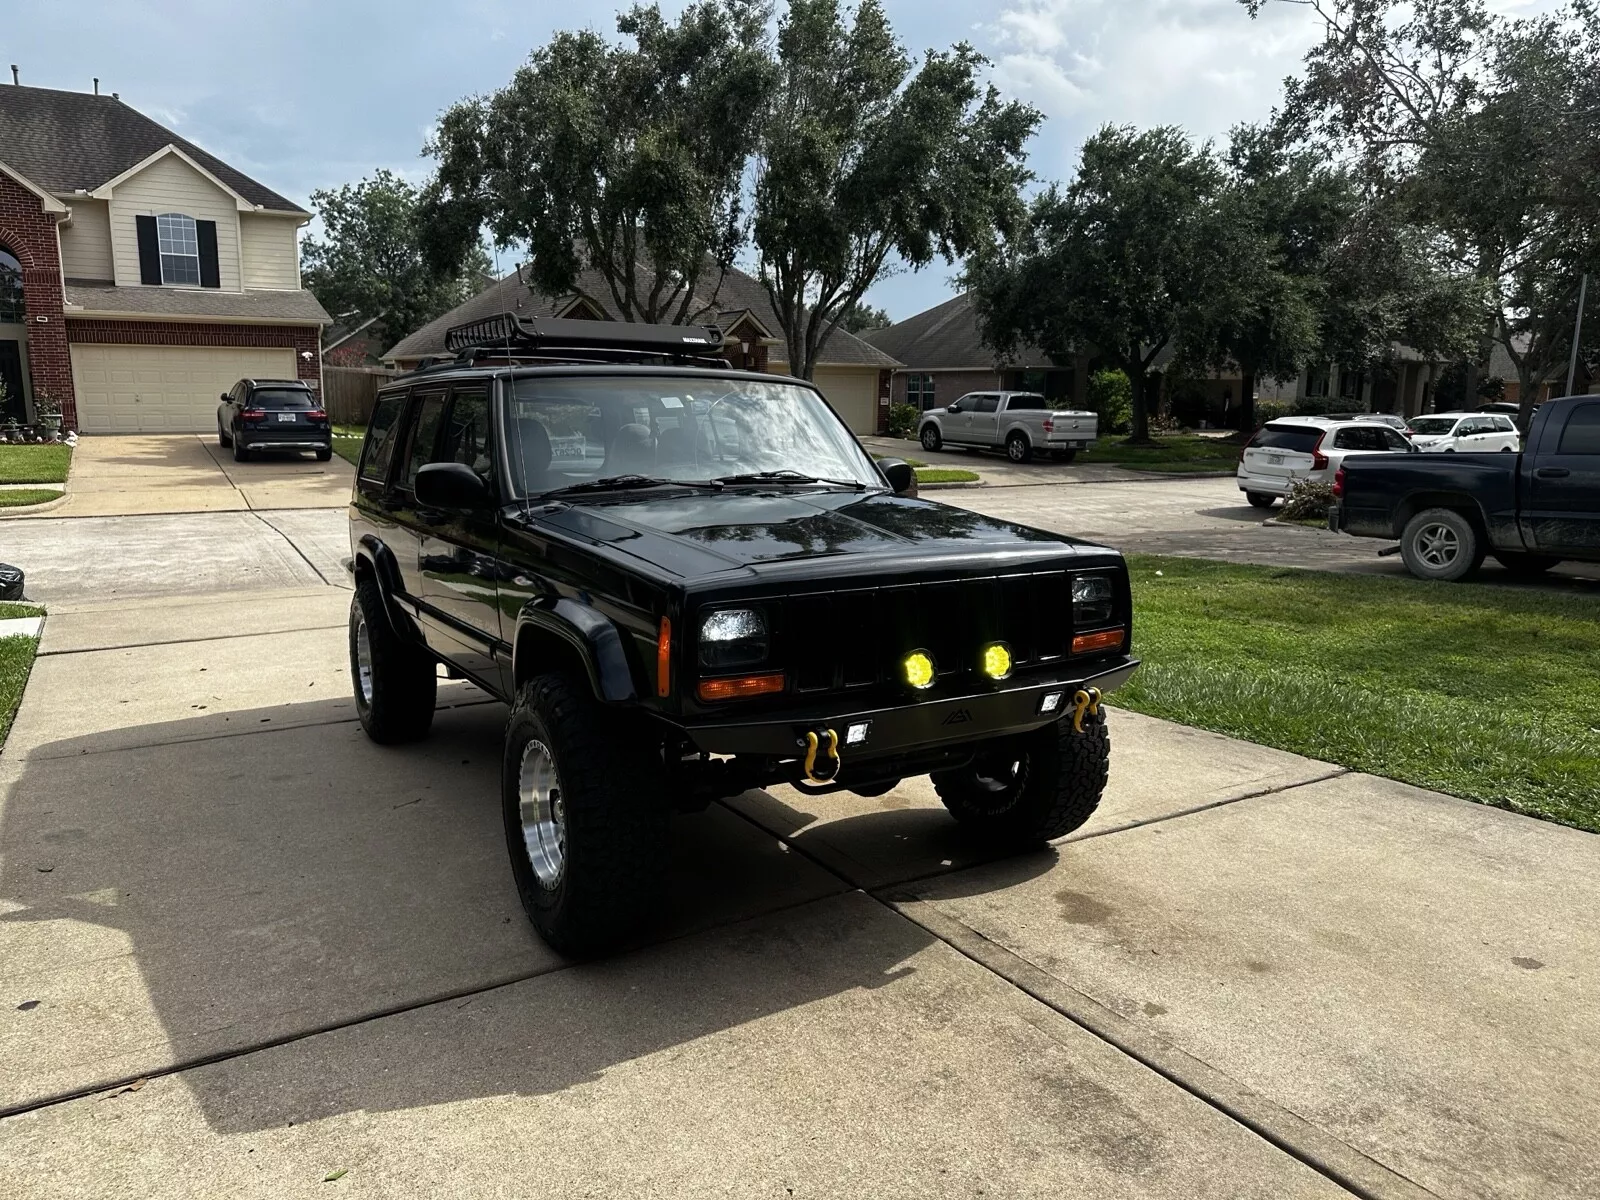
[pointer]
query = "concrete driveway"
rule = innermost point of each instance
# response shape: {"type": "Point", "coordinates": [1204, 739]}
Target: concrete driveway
{"type": "Point", "coordinates": [243, 949]}
{"type": "Point", "coordinates": [137, 474]}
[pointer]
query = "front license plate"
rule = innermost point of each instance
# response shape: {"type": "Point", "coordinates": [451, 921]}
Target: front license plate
{"type": "Point", "coordinates": [286, 416]}
{"type": "Point", "coordinates": [1275, 459]}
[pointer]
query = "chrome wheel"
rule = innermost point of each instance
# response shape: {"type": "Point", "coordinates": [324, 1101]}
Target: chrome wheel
{"type": "Point", "coordinates": [1438, 545]}
{"type": "Point", "coordinates": [363, 659]}
{"type": "Point", "coordinates": [544, 816]}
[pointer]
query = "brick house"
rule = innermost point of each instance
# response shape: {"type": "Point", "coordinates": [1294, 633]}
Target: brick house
{"type": "Point", "coordinates": [140, 277]}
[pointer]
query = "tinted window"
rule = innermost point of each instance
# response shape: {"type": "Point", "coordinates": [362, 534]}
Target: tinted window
{"type": "Point", "coordinates": [1287, 437]}
{"type": "Point", "coordinates": [424, 433]}
{"type": "Point", "coordinates": [1017, 403]}
{"type": "Point", "coordinates": [1361, 439]}
{"type": "Point", "coordinates": [1433, 426]}
{"type": "Point", "coordinates": [1394, 441]}
{"type": "Point", "coordinates": [380, 436]}
{"type": "Point", "coordinates": [466, 433]}
{"type": "Point", "coordinates": [987, 404]}
{"type": "Point", "coordinates": [1582, 434]}
{"type": "Point", "coordinates": [277, 399]}
{"type": "Point", "coordinates": [1504, 425]}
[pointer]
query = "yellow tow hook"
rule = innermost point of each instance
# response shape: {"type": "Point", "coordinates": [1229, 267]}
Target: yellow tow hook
{"type": "Point", "coordinates": [813, 743]}
{"type": "Point", "coordinates": [1086, 701]}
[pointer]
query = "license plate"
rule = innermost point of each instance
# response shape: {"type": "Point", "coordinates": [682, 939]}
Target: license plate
{"type": "Point", "coordinates": [286, 416]}
{"type": "Point", "coordinates": [1275, 460]}
{"type": "Point", "coordinates": [1074, 445]}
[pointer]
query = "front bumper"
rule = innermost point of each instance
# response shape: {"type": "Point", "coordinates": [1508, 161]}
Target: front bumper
{"type": "Point", "coordinates": [913, 726]}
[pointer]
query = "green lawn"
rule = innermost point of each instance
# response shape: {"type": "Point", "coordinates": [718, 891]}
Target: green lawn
{"type": "Point", "coordinates": [1487, 692]}
{"type": "Point", "coordinates": [16, 660]}
{"type": "Point", "coordinates": [347, 442]}
{"type": "Point", "coordinates": [21, 497]}
{"type": "Point", "coordinates": [945, 475]}
{"type": "Point", "coordinates": [10, 609]}
{"type": "Point", "coordinates": [1172, 454]}
{"type": "Point", "coordinates": [34, 464]}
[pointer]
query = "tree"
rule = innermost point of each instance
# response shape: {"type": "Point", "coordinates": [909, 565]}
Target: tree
{"type": "Point", "coordinates": [859, 318]}
{"type": "Point", "coordinates": [368, 259]}
{"type": "Point", "coordinates": [627, 160]}
{"type": "Point", "coordinates": [863, 159]}
{"type": "Point", "coordinates": [1117, 263]}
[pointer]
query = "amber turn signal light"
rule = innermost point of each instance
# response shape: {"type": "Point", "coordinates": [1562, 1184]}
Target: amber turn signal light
{"type": "Point", "coordinates": [1087, 643]}
{"type": "Point", "coordinates": [741, 688]}
{"type": "Point", "coordinates": [664, 659]}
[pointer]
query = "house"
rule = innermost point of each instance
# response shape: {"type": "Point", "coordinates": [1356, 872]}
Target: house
{"type": "Point", "coordinates": [353, 341]}
{"type": "Point", "coordinates": [140, 276]}
{"type": "Point", "coordinates": [852, 374]}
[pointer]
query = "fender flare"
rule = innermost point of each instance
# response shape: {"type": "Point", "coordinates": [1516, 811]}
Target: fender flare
{"type": "Point", "coordinates": [592, 637]}
{"type": "Point", "coordinates": [381, 561]}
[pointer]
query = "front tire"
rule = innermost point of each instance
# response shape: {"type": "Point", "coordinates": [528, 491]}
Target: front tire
{"type": "Point", "coordinates": [395, 682]}
{"type": "Point", "coordinates": [1440, 543]}
{"type": "Point", "coordinates": [1031, 789]}
{"type": "Point", "coordinates": [1259, 499]}
{"type": "Point", "coordinates": [930, 439]}
{"type": "Point", "coordinates": [585, 812]}
{"type": "Point", "coordinates": [1018, 448]}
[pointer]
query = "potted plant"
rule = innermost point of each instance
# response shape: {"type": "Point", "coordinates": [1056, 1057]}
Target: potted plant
{"type": "Point", "coordinates": [47, 412]}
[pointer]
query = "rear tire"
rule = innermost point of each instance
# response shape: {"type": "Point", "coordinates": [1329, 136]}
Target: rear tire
{"type": "Point", "coordinates": [1526, 564]}
{"type": "Point", "coordinates": [1031, 789]}
{"type": "Point", "coordinates": [1063, 456]}
{"type": "Point", "coordinates": [1018, 448]}
{"type": "Point", "coordinates": [930, 438]}
{"type": "Point", "coordinates": [395, 682]}
{"type": "Point", "coordinates": [585, 809]}
{"type": "Point", "coordinates": [1259, 499]}
{"type": "Point", "coordinates": [1440, 543]}
{"type": "Point", "coordinates": [240, 454]}
{"type": "Point", "coordinates": [324, 455]}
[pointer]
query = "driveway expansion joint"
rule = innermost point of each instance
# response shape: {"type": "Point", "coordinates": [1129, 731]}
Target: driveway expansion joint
{"type": "Point", "coordinates": [1275, 790]}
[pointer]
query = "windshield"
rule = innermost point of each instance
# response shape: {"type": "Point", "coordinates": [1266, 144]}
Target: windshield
{"type": "Point", "coordinates": [1433, 425]}
{"type": "Point", "coordinates": [566, 431]}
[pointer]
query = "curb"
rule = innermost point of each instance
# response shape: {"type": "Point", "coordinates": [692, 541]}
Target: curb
{"type": "Point", "coordinates": [949, 487]}
{"type": "Point", "coordinates": [33, 510]}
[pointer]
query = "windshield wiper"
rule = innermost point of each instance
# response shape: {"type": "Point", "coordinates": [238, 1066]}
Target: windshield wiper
{"type": "Point", "coordinates": [790, 477]}
{"type": "Point", "coordinates": [620, 483]}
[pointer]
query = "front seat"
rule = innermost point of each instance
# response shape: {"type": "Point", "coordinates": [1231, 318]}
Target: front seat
{"type": "Point", "coordinates": [675, 448]}
{"type": "Point", "coordinates": [632, 452]}
{"type": "Point", "coordinates": [533, 453]}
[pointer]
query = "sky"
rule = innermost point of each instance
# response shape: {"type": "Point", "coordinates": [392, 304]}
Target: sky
{"type": "Point", "coordinates": [305, 95]}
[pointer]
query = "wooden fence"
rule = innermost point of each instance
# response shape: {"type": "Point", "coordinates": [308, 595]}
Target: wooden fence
{"type": "Point", "coordinates": [348, 392]}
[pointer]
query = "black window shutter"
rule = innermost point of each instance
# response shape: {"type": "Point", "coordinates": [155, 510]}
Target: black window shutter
{"type": "Point", "coordinates": [210, 273]}
{"type": "Point", "coordinates": [149, 251]}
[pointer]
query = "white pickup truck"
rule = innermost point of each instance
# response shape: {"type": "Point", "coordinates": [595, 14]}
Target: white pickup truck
{"type": "Point", "coordinates": [1022, 422]}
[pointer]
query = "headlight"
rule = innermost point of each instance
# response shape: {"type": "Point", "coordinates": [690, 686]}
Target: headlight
{"type": "Point", "coordinates": [733, 637]}
{"type": "Point", "coordinates": [1093, 601]}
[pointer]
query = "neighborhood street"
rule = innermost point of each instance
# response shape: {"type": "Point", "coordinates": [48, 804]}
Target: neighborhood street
{"type": "Point", "coordinates": [228, 922]}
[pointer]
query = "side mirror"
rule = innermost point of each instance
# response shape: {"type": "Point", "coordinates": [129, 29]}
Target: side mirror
{"type": "Point", "coordinates": [954, 408]}
{"type": "Point", "coordinates": [224, 397]}
{"type": "Point", "coordinates": [897, 471]}
{"type": "Point", "coordinates": [452, 486]}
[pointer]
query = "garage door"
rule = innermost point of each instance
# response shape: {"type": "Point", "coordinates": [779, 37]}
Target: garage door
{"type": "Point", "coordinates": [163, 389]}
{"type": "Point", "coordinates": [853, 394]}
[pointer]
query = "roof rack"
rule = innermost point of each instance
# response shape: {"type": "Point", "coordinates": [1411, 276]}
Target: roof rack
{"type": "Point", "coordinates": [507, 335]}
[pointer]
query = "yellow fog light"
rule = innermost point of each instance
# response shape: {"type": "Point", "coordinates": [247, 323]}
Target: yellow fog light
{"type": "Point", "coordinates": [919, 669]}
{"type": "Point", "coordinates": [997, 661]}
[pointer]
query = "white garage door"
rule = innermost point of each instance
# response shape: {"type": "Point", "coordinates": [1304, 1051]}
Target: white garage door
{"type": "Point", "coordinates": [853, 394]}
{"type": "Point", "coordinates": [163, 389]}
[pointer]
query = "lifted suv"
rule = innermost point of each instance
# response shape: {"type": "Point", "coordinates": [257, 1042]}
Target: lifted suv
{"type": "Point", "coordinates": [688, 581]}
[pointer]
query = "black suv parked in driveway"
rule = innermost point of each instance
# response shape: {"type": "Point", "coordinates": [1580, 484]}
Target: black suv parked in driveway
{"type": "Point", "coordinates": [273, 414]}
{"type": "Point", "coordinates": [688, 581]}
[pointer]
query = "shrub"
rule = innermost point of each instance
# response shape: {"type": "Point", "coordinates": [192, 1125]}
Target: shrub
{"type": "Point", "coordinates": [1270, 410]}
{"type": "Point", "coordinates": [903, 420]}
{"type": "Point", "coordinates": [1307, 501]}
{"type": "Point", "coordinates": [1110, 395]}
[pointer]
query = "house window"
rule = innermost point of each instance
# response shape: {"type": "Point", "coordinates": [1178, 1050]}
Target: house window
{"type": "Point", "coordinates": [1317, 381]}
{"type": "Point", "coordinates": [919, 391]}
{"type": "Point", "coordinates": [1350, 385]}
{"type": "Point", "coordinates": [180, 249]}
{"type": "Point", "coordinates": [11, 310]}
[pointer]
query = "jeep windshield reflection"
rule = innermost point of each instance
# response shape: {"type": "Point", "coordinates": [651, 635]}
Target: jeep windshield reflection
{"type": "Point", "coordinates": [563, 432]}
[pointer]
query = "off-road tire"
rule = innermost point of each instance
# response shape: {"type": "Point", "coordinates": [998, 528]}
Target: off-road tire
{"type": "Point", "coordinates": [1259, 499]}
{"type": "Point", "coordinates": [1425, 545]}
{"type": "Point", "coordinates": [1059, 779]}
{"type": "Point", "coordinates": [1018, 448]}
{"type": "Point", "coordinates": [324, 455]}
{"type": "Point", "coordinates": [404, 684]}
{"type": "Point", "coordinates": [1525, 564]}
{"type": "Point", "coordinates": [1063, 456]}
{"type": "Point", "coordinates": [930, 438]}
{"type": "Point", "coordinates": [615, 803]}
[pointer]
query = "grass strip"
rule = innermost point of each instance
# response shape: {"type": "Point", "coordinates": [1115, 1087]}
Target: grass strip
{"type": "Point", "coordinates": [16, 660]}
{"type": "Point", "coordinates": [945, 475]}
{"type": "Point", "coordinates": [34, 464]}
{"type": "Point", "coordinates": [22, 497]}
{"type": "Point", "coordinates": [1487, 692]}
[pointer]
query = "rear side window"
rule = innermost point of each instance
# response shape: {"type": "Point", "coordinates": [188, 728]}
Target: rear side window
{"type": "Point", "coordinates": [424, 433]}
{"type": "Point", "coordinates": [1395, 441]}
{"type": "Point", "coordinates": [1017, 403]}
{"type": "Point", "coordinates": [380, 436]}
{"type": "Point", "coordinates": [279, 399]}
{"type": "Point", "coordinates": [1360, 439]}
{"type": "Point", "coordinates": [1286, 437]}
{"type": "Point", "coordinates": [1582, 434]}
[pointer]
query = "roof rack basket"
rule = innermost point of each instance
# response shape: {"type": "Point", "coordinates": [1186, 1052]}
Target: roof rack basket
{"type": "Point", "coordinates": [509, 335]}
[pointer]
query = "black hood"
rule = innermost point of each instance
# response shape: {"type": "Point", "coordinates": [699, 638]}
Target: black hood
{"type": "Point", "coordinates": [702, 534]}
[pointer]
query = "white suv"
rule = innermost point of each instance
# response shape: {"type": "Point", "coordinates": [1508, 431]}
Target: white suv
{"type": "Point", "coordinates": [1292, 449]}
{"type": "Point", "coordinates": [1469, 433]}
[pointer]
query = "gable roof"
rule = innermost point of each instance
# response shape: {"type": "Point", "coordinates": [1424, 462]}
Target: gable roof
{"type": "Point", "coordinates": [68, 142]}
{"type": "Point", "coordinates": [944, 337]}
{"type": "Point", "coordinates": [739, 294]}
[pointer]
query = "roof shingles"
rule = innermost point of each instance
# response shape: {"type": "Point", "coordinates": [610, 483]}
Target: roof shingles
{"type": "Point", "coordinates": [946, 337]}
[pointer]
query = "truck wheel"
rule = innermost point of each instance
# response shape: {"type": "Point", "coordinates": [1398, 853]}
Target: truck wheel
{"type": "Point", "coordinates": [394, 681]}
{"type": "Point", "coordinates": [930, 439]}
{"type": "Point", "coordinates": [1440, 543]}
{"type": "Point", "coordinates": [1033, 788]}
{"type": "Point", "coordinates": [586, 818]}
{"type": "Point", "coordinates": [1259, 499]}
{"type": "Point", "coordinates": [1018, 448]}
{"type": "Point", "coordinates": [1526, 564]}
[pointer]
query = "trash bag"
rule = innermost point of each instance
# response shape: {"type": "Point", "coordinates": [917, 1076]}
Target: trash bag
{"type": "Point", "coordinates": [10, 582]}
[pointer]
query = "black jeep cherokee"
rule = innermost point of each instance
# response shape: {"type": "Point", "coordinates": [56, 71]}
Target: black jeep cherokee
{"type": "Point", "coordinates": [688, 581]}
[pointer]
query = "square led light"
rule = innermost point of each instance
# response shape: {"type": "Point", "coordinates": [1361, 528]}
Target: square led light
{"type": "Point", "coordinates": [856, 735]}
{"type": "Point", "coordinates": [1051, 703]}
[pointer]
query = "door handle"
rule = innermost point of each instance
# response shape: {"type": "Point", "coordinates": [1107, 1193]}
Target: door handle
{"type": "Point", "coordinates": [1552, 473]}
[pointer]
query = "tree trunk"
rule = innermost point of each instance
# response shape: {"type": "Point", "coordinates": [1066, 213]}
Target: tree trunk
{"type": "Point", "coordinates": [1139, 424]}
{"type": "Point", "coordinates": [1247, 400]}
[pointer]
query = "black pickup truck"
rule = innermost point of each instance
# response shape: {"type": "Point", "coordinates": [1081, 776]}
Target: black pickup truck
{"type": "Point", "coordinates": [1448, 511]}
{"type": "Point", "coordinates": [687, 581]}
